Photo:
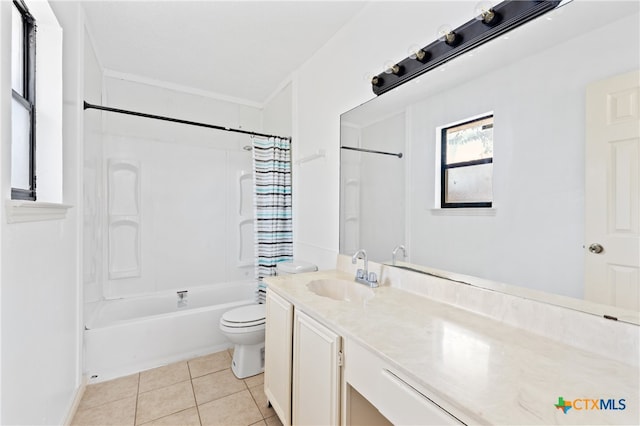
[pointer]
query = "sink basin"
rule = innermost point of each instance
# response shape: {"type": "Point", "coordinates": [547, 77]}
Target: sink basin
{"type": "Point", "coordinates": [336, 289]}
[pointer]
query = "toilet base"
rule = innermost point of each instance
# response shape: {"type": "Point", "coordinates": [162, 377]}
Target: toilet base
{"type": "Point", "coordinates": [248, 360]}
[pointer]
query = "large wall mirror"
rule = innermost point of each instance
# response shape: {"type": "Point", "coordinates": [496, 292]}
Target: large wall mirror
{"type": "Point", "coordinates": [534, 81]}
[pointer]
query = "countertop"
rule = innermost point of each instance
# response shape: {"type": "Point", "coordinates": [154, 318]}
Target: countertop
{"type": "Point", "coordinates": [481, 370]}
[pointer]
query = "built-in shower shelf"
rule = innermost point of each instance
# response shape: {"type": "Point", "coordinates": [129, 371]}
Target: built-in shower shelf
{"type": "Point", "coordinates": [245, 195]}
{"type": "Point", "coordinates": [123, 206]}
{"type": "Point", "coordinates": [246, 257]}
{"type": "Point", "coordinates": [244, 264]}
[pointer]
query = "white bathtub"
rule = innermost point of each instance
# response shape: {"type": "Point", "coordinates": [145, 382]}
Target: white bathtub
{"type": "Point", "coordinates": [124, 336]}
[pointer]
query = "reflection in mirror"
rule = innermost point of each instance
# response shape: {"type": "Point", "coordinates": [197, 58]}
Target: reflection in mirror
{"type": "Point", "coordinates": [534, 235]}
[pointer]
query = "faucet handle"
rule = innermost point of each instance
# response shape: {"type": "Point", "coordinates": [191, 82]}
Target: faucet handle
{"type": "Point", "coordinates": [360, 273]}
{"type": "Point", "coordinates": [372, 278]}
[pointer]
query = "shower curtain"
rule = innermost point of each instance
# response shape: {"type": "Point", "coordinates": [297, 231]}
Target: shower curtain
{"type": "Point", "coordinates": [273, 225]}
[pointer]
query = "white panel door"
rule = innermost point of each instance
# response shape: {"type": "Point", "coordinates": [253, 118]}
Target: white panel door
{"type": "Point", "coordinates": [612, 191]}
{"type": "Point", "coordinates": [278, 355]}
{"type": "Point", "coordinates": [316, 373]}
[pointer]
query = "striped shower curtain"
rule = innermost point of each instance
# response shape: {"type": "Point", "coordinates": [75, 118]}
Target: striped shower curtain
{"type": "Point", "coordinates": [272, 200]}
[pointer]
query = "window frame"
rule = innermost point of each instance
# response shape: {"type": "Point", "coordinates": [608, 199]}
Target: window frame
{"type": "Point", "coordinates": [28, 101]}
{"type": "Point", "coordinates": [444, 166]}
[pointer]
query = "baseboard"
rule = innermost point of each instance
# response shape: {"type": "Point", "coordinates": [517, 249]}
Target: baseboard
{"type": "Point", "coordinates": [76, 401]}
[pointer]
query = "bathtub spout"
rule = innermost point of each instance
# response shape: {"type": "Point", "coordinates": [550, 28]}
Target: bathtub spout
{"type": "Point", "coordinates": [182, 298]}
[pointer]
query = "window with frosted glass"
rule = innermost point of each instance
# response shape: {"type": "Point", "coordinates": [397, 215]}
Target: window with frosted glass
{"type": "Point", "coordinates": [467, 164]}
{"type": "Point", "coordinates": [22, 103]}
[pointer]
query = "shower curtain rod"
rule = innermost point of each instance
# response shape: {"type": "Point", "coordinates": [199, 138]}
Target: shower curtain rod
{"type": "Point", "coordinates": [372, 151]}
{"type": "Point", "coordinates": [87, 105]}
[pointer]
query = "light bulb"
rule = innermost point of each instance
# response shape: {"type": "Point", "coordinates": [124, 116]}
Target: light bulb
{"type": "Point", "coordinates": [392, 68]}
{"type": "Point", "coordinates": [446, 34]}
{"type": "Point", "coordinates": [377, 81]}
{"type": "Point", "coordinates": [414, 51]}
{"type": "Point", "coordinates": [485, 13]}
{"type": "Point", "coordinates": [417, 53]}
{"type": "Point", "coordinates": [442, 32]}
{"type": "Point", "coordinates": [482, 7]}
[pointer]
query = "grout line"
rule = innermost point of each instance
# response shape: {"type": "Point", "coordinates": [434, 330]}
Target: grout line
{"type": "Point", "coordinates": [255, 402]}
{"type": "Point", "coordinates": [195, 398]}
{"type": "Point", "coordinates": [164, 387]}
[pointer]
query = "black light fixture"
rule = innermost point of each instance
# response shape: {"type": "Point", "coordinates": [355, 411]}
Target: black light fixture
{"type": "Point", "coordinates": [489, 23]}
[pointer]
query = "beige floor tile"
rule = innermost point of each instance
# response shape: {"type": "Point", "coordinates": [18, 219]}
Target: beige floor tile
{"type": "Point", "coordinates": [164, 401]}
{"type": "Point", "coordinates": [216, 385]}
{"type": "Point", "coordinates": [209, 364]}
{"type": "Point", "coordinates": [121, 412]}
{"type": "Point", "coordinates": [273, 421]}
{"type": "Point", "coordinates": [257, 392]}
{"type": "Point", "coordinates": [188, 417]}
{"type": "Point", "coordinates": [112, 390]}
{"type": "Point", "coordinates": [260, 423]}
{"type": "Point", "coordinates": [164, 376]}
{"type": "Point", "coordinates": [236, 409]}
{"type": "Point", "coordinates": [254, 380]}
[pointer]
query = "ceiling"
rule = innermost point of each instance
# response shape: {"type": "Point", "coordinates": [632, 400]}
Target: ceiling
{"type": "Point", "coordinates": [240, 49]}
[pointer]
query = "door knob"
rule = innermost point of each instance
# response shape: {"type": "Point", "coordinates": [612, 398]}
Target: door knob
{"type": "Point", "coordinates": [596, 248]}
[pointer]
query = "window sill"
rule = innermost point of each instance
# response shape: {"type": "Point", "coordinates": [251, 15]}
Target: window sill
{"type": "Point", "coordinates": [464, 211]}
{"type": "Point", "coordinates": [34, 211]}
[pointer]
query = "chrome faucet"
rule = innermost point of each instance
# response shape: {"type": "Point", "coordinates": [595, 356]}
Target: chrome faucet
{"type": "Point", "coordinates": [363, 276]}
{"type": "Point", "coordinates": [395, 251]}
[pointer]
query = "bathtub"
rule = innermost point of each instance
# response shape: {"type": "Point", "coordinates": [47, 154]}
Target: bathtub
{"type": "Point", "coordinates": [124, 336]}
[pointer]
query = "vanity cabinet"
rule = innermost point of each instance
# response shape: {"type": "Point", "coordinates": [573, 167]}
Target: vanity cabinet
{"type": "Point", "coordinates": [316, 372]}
{"type": "Point", "coordinates": [305, 383]}
{"type": "Point", "coordinates": [278, 351]}
{"type": "Point", "coordinates": [302, 376]}
{"type": "Point", "coordinates": [393, 396]}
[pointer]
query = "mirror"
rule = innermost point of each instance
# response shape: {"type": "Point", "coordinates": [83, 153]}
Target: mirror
{"type": "Point", "coordinates": [531, 241]}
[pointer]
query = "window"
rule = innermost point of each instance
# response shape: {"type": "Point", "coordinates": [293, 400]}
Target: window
{"type": "Point", "coordinates": [23, 85]}
{"type": "Point", "coordinates": [466, 171]}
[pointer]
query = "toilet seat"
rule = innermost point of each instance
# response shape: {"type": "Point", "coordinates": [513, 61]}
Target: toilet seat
{"type": "Point", "coordinates": [244, 317]}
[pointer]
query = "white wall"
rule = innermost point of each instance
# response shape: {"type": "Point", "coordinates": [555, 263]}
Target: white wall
{"type": "Point", "coordinates": [189, 221]}
{"type": "Point", "coordinates": [334, 81]}
{"type": "Point", "coordinates": [93, 179]}
{"type": "Point", "coordinates": [277, 113]}
{"type": "Point", "coordinates": [39, 269]}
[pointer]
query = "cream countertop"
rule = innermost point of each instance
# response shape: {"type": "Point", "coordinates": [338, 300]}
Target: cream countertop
{"type": "Point", "coordinates": [480, 369]}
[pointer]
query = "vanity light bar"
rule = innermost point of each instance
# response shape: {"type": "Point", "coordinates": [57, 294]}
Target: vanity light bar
{"type": "Point", "coordinates": [506, 16]}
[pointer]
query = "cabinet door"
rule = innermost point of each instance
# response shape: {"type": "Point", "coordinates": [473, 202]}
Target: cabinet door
{"type": "Point", "coordinates": [316, 373]}
{"type": "Point", "coordinates": [277, 362]}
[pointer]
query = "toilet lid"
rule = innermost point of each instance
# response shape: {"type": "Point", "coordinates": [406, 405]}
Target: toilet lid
{"type": "Point", "coordinates": [246, 315]}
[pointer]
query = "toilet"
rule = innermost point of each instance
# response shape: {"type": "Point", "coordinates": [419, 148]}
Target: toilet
{"type": "Point", "coordinates": [244, 327]}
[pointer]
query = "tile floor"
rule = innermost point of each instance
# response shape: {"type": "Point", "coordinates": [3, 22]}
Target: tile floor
{"type": "Point", "coordinates": [201, 391]}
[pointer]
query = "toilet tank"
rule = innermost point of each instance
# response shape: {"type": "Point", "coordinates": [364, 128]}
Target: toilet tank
{"type": "Point", "coordinates": [295, 267]}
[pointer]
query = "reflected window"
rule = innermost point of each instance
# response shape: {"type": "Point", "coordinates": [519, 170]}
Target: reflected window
{"type": "Point", "coordinates": [23, 84]}
{"type": "Point", "coordinates": [466, 172]}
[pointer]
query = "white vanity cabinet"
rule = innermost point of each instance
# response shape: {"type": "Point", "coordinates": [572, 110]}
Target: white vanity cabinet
{"type": "Point", "coordinates": [278, 350]}
{"type": "Point", "coordinates": [316, 372]}
{"type": "Point", "coordinates": [398, 400]}
{"type": "Point", "coordinates": [302, 377]}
